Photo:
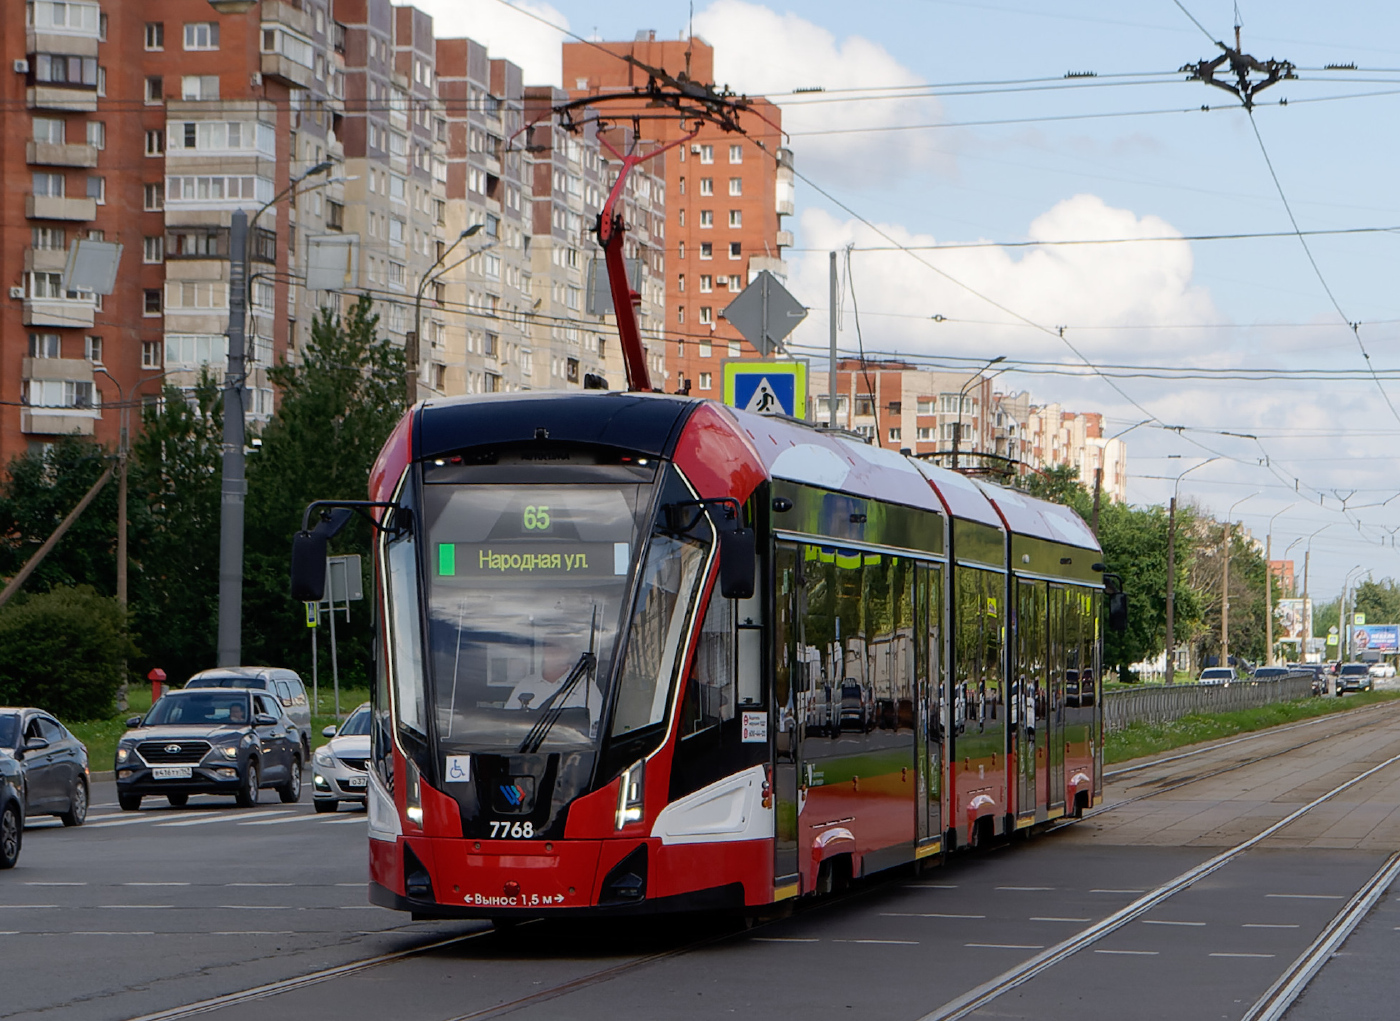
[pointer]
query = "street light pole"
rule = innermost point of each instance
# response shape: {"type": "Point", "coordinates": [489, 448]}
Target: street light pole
{"type": "Point", "coordinates": [957, 424]}
{"type": "Point", "coordinates": [412, 344]}
{"type": "Point", "coordinates": [1342, 621]}
{"type": "Point", "coordinates": [1170, 664]}
{"type": "Point", "coordinates": [1225, 582]}
{"type": "Point", "coordinates": [1269, 590]}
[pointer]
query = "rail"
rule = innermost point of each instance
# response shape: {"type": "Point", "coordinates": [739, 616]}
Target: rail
{"type": "Point", "coordinates": [1161, 703]}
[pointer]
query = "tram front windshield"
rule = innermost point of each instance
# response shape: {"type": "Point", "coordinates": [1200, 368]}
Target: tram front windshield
{"type": "Point", "coordinates": [525, 582]}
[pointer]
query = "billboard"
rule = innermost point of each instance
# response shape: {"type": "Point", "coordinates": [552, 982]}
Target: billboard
{"type": "Point", "coordinates": [1293, 620]}
{"type": "Point", "coordinates": [1383, 638]}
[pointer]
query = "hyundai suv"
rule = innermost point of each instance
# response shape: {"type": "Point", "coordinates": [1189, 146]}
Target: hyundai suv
{"type": "Point", "coordinates": [210, 741]}
{"type": "Point", "coordinates": [1353, 677]}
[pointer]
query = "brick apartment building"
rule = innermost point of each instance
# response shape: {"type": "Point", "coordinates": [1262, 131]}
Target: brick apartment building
{"type": "Point", "coordinates": [727, 197]}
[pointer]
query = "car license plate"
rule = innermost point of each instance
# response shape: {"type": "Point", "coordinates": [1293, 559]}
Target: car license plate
{"type": "Point", "coordinates": [357, 781]}
{"type": "Point", "coordinates": [171, 772]}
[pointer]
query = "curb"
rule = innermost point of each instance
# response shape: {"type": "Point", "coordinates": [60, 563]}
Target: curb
{"type": "Point", "coordinates": [105, 775]}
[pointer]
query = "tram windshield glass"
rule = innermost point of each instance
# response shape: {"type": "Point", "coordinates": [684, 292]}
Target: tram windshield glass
{"type": "Point", "coordinates": [524, 582]}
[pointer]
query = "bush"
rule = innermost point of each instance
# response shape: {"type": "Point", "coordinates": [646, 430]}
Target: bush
{"type": "Point", "coordinates": [64, 651]}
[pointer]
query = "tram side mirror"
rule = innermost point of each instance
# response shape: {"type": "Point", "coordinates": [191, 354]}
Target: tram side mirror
{"type": "Point", "coordinates": [738, 550]}
{"type": "Point", "coordinates": [1118, 611]}
{"type": "Point", "coordinates": [309, 566]}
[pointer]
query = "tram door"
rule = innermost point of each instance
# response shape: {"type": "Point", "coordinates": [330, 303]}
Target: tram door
{"type": "Point", "coordinates": [930, 729]}
{"type": "Point", "coordinates": [786, 732]}
{"type": "Point", "coordinates": [1026, 683]}
{"type": "Point", "coordinates": [1058, 668]}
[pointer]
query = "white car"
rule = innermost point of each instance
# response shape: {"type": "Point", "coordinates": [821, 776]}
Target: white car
{"type": "Point", "coordinates": [339, 769]}
{"type": "Point", "coordinates": [1382, 670]}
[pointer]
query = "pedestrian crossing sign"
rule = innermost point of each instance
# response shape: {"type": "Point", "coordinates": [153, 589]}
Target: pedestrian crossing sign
{"type": "Point", "coordinates": [767, 388]}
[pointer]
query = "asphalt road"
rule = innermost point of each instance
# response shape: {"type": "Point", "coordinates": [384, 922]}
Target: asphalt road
{"type": "Point", "coordinates": [132, 915]}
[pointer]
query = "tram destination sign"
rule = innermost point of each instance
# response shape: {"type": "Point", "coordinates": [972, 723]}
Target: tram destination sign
{"type": "Point", "coordinates": [532, 558]}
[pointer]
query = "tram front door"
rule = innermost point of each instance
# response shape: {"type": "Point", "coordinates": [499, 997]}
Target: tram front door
{"type": "Point", "coordinates": [783, 720]}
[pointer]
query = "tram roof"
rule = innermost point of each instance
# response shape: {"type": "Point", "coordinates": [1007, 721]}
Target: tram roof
{"type": "Point", "coordinates": [1039, 518]}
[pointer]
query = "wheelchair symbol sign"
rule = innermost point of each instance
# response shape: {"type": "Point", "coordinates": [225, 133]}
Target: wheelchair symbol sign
{"type": "Point", "coordinates": [458, 768]}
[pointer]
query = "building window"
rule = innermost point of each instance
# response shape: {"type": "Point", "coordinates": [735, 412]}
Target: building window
{"type": "Point", "coordinates": [155, 89]}
{"type": "Point", "coordinates": [153, 249]}
{"type": "Point", "coordinates": [736, 283]}
{"type": "Point", "coordinates": [49, 129]}
{"type": "Point", "coordinates": [335, 216]}
{"type": "Point", "coordinates": [150, 354]}
{"type": "Point", "coordinates": [707, 154]}
{"type": "Point", "coordinates": [97, 189]}
{"type": "Point", "coordinates": [49, 238]}
{"type": "Point", "coordinates": [680, 250]}
{"type": "Point", "coordinates": [707, 186]}
{"type": "Point", "coordinates": [154, 197]}
{"type": "Point", "coordinates": [706, 349]}
{"type": "Point", "coordinates": [925, 432]}
{"type": "Point", "coordinates": [707, 218]}
{"type": "Point", "coordinates": [896, 407]}
{"type": "Point", "coordinates": [46, 285]}
{"type": "Point", "coordinates": [680, 283]}
{"type": "Point", "coordinates": [736, 250]}
{"type": "Point", "coordinates": [202, 35]}
{"type": "Point", "coordinates": [925, 406]}
{"type": "Point", "coordinates": [707, 283]}
{"type": "Point", "coordinates": [155, 142]}
{"type": "Point", "coordinates": [571, 370]}
{"type": "Point", "coordinates": [736, 218]}
{"type": "Point", "coordinates": [705, 381]}
{"type": "Point", "coordinates": [48, 185]}
{"type": "Point", "coordinates": [155, 35]}
{"type": "Point", "coordinates": [45, 345]}
{"type": "Point", "coordinates": [707, 315]}
{"type": "Point", "coordinates": [491, 384]}
{"type": "Point", "coordinates": [65, 70]}
{"type": "Point", "coordinates": [92, 349]}
{"type": "Point", "coordinates": [707, 250]}
{"type": "Point", "coordinates": [97, 134]}
{"type": "Point", "coordinates": [894, 434]}
{"type": "Point", "coordinates": [199, 87]}
{"type": "Point", "coordinates": [736, 154]}
{"type": "Point", "coordinates": [736, 186]}
{"type": "Point", "coordinates": [680, 315]}
{"type": "Point", "coordinates": [152, 302]}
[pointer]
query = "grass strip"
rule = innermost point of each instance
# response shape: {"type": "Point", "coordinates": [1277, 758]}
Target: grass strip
{"type": "Point", "coordinates": [1140, 739]}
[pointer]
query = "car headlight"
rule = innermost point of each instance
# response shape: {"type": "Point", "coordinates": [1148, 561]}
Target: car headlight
{"type": "Point", "coordinates": [322, 757]}
{"type": "Point", "coordinates": [123, 754]}
{"type": "Point", "coordinates": [230, 751]}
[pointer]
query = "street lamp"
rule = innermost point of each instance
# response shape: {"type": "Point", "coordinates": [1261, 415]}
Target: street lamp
{"type": "Point", "coordinates": [1269, 588]}
{"type": "Point", "coordinates": [412, 344]}
{"type": "Point", "coordinates": [976, 378]}
{"type": "Point", "coordinates": [1170, 664]}
{"type": "Point", "coordinates": [1098, 472]}
{"type": "Point", "coordinates": [1225, 581]}
{"type": "Point", "coordinates": [1307, 556]}
{"type": "Point", "coordinates": [1342, 622]}
{"type": "Point", "coordinates": [234, 486]}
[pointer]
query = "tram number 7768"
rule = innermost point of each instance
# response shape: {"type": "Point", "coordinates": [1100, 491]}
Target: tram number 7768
{"type": "Point", "coordinates": [506, 828]}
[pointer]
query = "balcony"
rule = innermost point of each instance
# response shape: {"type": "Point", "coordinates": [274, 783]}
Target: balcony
{"type": "Point", "coordinates": [49, 207]}
{"type": "Point", "coordinates": [287, 52]}
{"type": "Point", "coordinates": [785, 239]}
{"type": "Point", "coordinates": [56, 154]}
{"type": "Point", "coordinates": [58, 97]}
{"type": "Point", "coordinates": [45, 260]}
{"type": "Point", "coordinates": [63, 389]}
{"type": "Point", "coordinates": [286, 71]}
{"type": "Point", "coordinates": [61, 312]}
{"type": "Point", "coordinates": [277, 13]}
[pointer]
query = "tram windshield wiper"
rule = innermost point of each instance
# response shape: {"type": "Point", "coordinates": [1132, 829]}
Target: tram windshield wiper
{"type": "Point", "coordinates": [553, 707]}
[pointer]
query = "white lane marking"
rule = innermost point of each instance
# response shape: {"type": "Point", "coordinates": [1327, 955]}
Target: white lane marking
{"type": "Point", "coordinates": [924, 914]}
{"type": "Point", "coordinates": [1025, 888]}
{"type": "Point", "coordinates": [1130, 953]}
{"type": "Point", "coordinates": [1270, 925]}
{"type": "Point", "coordinates": [27, 907]}
{"type": "Point", "coordinates": [1039, 919]}
{"type": "Point", "coordinates": [135, 907]}
{"type": "Point", "coordinates": [278, 822]}
{"type": "Point", "coordinates": [224, 816]}
{"type": "Point", "coordinates": [882, 942]}
{"type": "Point", "coordinates": [55, 884]}
{"type": "Point", "coordinates": [1162, 921]}
{"type": "Point", "coordinates": [256, 932]}
{"type": "Point", "coordinates": [782, 939]}
{"type": "Point", "coordinates": [347, 821]}
{"type": "Point", "coordinates": [1007, 946]}
{"type": "Point", "coordinates": [10, 932]}
{"type": "Point", "coordinates": [352, 884]}
{"type": "Point", "coordinates": [1242, 955]}
{"type": "Point", "coordinates": [259, 885]}
{"type": "Point", "coordinates": [155, 884]}
{"type": "Point", "coordinates": [105, 932]}
{"type": "Point", "coordinates": [930, 886]}
{"type": "Point", "coordinates": [1308, 896]}
{"type": "Point", "coordinates": [1117, 891]}
{"type": "Point", "coordinates": [153, 817]}
{"type": "Point", "coordinates": [361, 907]}
{"type": "Point", "coordinates": [255, 907]}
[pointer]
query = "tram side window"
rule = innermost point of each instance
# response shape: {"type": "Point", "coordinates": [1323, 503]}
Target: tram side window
{"type": "Point", "coordinates": [709, 692]}
{"type": "Point", "coordinates": [405, 618]}
{"type": "Point", "coordinates": [977, 649]}
{"type": "Point", "coordinates": [785, 577]}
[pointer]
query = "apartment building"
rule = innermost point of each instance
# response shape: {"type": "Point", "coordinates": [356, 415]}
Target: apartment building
{"type": "Point", "coordinates": [728, 196]}
{"type": "Point", "coordinates": [1077, 438]}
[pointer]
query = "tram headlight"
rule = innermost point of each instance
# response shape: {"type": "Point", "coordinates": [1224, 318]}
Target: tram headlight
{"type": "Point", "coordinates": [629, 795]}
{"type": "Point", "coordinates": [413, 796]}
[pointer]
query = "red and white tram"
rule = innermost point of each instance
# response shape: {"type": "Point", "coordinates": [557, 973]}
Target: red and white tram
{"type": "Point", "coordinates": [645, 652]}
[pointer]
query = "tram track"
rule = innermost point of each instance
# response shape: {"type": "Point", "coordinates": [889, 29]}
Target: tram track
{"type": "Point", "coordinates": [1270, 1007]}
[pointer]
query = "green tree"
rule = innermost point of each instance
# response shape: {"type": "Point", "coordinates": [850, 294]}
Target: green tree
{"type": "Point", "coordinates": [337, 409]}
{"type": "Point", "coordinates": [1379, 601]}
{"type": "Point", "coordinates": [1325, 617]}
{"type": "Point", "coordinates": [175, 480]}
{"type": "Point", "coordinates": [63, 651]}
{"type": "Point", "coordinates": [1060, 484]}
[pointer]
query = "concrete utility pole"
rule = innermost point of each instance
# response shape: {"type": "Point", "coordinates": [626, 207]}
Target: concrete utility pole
{"type": "Point", "coordinates": [235, 486]}
{"type": "Point", "coordinates": [1098, 489]}
{"type": "Point", "coordinates": [1225, 582]}
{"type": "Point", "coordinates": [1170, 665]}
{"type": "Point", "coordinates": [1269, 589]}
{"type": "Point", "coordinates": [831, 357]}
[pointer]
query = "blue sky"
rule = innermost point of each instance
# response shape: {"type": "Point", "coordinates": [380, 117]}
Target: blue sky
{"type": "Point", "coordinates": [1155, 166]}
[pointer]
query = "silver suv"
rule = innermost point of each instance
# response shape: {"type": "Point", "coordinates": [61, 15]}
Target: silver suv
{"type": "Point", "coordinates": [283, 683]}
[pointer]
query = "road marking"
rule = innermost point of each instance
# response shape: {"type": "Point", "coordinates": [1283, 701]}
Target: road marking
{"type": "Point", "coordinates": [256, 907]}
{"type": "Point", "coordinates": [1242, 955]}
{"type": "Point", "coordinates": [27, 907]}
{"type": "Point", "coordinates": [55, 884]}
{"type": "Point", "coordinates": [930, 886]}
{"type": "Point", "coordinates": [923, 914]}
{"type": "Point", "coordinates": [1308, 896]}
{"type": "Point", "coordinates": [103, 932]}
{"type": "Point", "coordinates": [1270, 925]}
{"type": "Point", "coordinates": [155, 884]}
{"type": "Point", "coordinates": [256, 932]}
{"type": "Point", "coordinates": [1061, 919]}
{"type": "Point", "coordinates": [153, 817]}
{"type": "Point", "coordinates": [1131, 953]}
{"type": "Point", "coordinates": [134, 907]}
{"type": "Point", "coordinates": [222, 816]}
{"type": "Point", "coordinates": [1025, 888]}
{"type": "Point", "coordinates": [352, 884]}
{"type": "Point", "coordinates": [259, 885]}
{"type": "Point", "coordinates": [883, 942]}
{"type": "Point", "coordinates": [347, 821]}
{"type": "Point", "coordinates": [782, 939]}
{"type": "Point", "coordinates": [277, 822]}
{"type": "Point", "coordinates": [1161, 921]}
{"type": "Point", "coordinates": [1007, 946]}
{"type": "Point", "coordinates": [1117, 891]}
{"type": "Point", "coordinates": [361, 907]}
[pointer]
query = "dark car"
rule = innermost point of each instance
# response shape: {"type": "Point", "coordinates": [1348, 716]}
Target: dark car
{"type": "Point", "coordinates": [11, 811]}
{"type": "Point", "coordinates": [227, 741]}
{"type": "Point", "coordinates": [857, 712]}
{"type": "Point", "coordinates": [53, 764]}
{"type": "Point", "coordinates": [285, 684]}
{"type": "Point", "coordinates": [1353, 677]}
{"type": "Point", "coordinates": [1271, 673]}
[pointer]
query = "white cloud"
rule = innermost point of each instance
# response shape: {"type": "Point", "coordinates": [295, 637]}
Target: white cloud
{"type": "Point", "coordinates": [759, 51]}
{"type": "Point", "coordinates": [506, 32]}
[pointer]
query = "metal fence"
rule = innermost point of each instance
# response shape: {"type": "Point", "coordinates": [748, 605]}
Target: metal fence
{"type": "Point", "coordinates": [1161, 703]}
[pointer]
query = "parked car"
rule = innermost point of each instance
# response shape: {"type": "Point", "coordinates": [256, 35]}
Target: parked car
{"type": "Point", "coordinates": [227, 741]}
{"type": "Point", "coordinates": [1353, 677]}
{"type": "Point", "coordinates": [340, 768]}
{"type": "Point", "coordinates": [11, 811]}
{"type": "Point", "coordinates": [1271, 673]}
{"type": "Point", "coordinates": [1382, 671]}
{"type": "Point", "coordinates": [857, 707]}
{"type": "Point", "coordinates": [1218, 675]}
{"type": "Point", "coordinates": [53, 764]}
{"type": "Point", "coordinates": [285, 684]}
